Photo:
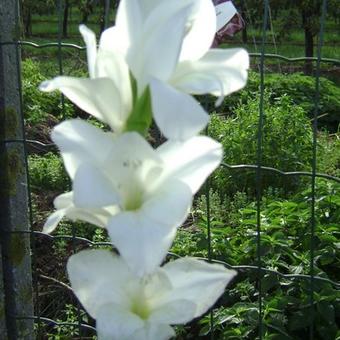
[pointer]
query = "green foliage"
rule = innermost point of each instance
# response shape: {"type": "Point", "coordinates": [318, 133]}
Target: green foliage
{"type": "Point", "coordinates": [140, 118]}
{"type": "Point", "coordinates": [285, 247]}
{"type": "Point", "coordinates": [328, 156]}
{"type": "Point", "coordinates": [285, 222]}
{"type": "Point", "coordinates": [47, 172]}
{"type": "Point", "coordinates": [39, 105]}
{"type": "Point", "coordinates": [300, 88]}
{"type": "Point", "coordinates": [68, 327]}
{"type": "Point", "coordinates": [286, 140]}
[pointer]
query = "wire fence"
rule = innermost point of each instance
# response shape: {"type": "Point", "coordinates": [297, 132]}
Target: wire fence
{"type": "Point", "coordinates": [82, 326]}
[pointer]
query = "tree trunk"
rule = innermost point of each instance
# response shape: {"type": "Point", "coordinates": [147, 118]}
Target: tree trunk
{"type": "Point", "coordinates": [244, 15]}
{"type": "Point", "coordinates": [102, 18]}
{"type": "Point", "coordinates": [65, 19]}
{"type": "Point", "coordinates": [28, 23]}
{"type": "Point", "coordinates": [86, 10]}
{"type": "Point", "coordinates": [26, 19]}
{"type": "Point", "coordinates": [244, 34]}
{"type": "Point", "coordinates": [275, 13]}
{"type": "Point", "coordinates": [309, 41]}
{"type": "Point", "coordinates": [101, 24]}
{"type": "Point", "coordinates": [244, 30]}
{"type": "Point", "coordinates": [85, 18]}
{"type": "Point", "coordinates": [309, 51]}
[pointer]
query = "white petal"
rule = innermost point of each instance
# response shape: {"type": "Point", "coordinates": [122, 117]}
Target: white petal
{"type": "Point", "coordinates": [157, 282]}
{"type": "Point", "coordinates": [80, 142]}
{"type": "Point", "coordinates": [142, 243]}
{"type": "Point", "coordinates": [65, 208]}
{"type": "Point", "coordinates": [64, 200]}
{"type": "Point", "coordinates": [169, 205]}
{"type": "Point", "coordinates": [97, 217]}
{"type": "Point", "coordinates": [157, 331]}
{"type": "Point", "coordinates": [147, 6]}
{"type": "Point", "coordinates": [191, 161]}
{"type": "Point", "coordinates": [111, 40]}
{"type": "Point", "coordinates": [202, 29]}
{"type": "Point", "coordinates": [98, 278]}
{"type": "Point", "coordinates": [98, 97]}
{"type": "Point", "coordinates": [92, 189]}
{"type": "Point", "coordinates": [224, 13]}
{"type": "Point", "coordinates": [113, 66]}
{"type": "Point", "coordinates": [117, 323]}
{"type": "Point", "coordinates": [197, 281]}
{"type": "Point", "coordinates": [131, 158]}
{"type": "Point", "coordinates": [151, 57]}
{"type": "Point", "coordinates": [219, 72]}
{"type": "Point", "coordinates": [200, 24]}
{"type": "Point", "coordinates": [174, 312]}
{"type": "Point", "coordinates": [178, 115]}
{"type": "Point", "coordinates": [149, 331]}
{"type": "Point", "coordinates": [53, 221]}
{"type": "Point", "coordinates": [91, 48]}
{"type": "Point", "coordinates": [129, 21]}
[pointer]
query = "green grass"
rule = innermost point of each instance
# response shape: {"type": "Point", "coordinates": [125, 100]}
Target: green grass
{"type": "Point", "coordinates": [51, 34]}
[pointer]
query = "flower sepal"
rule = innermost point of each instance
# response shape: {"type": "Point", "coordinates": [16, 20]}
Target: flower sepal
{"type": "Point", "coordinates": [140, 118]}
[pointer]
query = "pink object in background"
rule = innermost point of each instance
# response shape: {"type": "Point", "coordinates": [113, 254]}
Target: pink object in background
{"type": "Point", "coordinates": [229, 21]}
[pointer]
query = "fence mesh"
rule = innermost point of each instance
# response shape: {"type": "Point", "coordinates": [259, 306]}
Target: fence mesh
{"type": "Point", "coordinates": [81, 326]}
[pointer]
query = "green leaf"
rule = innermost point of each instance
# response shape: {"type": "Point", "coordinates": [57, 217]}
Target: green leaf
{"type": "Point", "coordinates": [280, 330]}
{"type": "Point", "coordinates": [300, 320]}
{"type": "Point", "coordinates": [140, 117]}
{"type": "Point", "coordinates": [226, 319]}
{"type": "Point", "coordinates": [268, 282]}
{"type": "Point", "coordinates": [133, 88]}
{"type": "Point", "coordinates": [326, 311]}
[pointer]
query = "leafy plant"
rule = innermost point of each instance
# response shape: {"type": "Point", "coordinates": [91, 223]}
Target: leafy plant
{"type": "Point", "coordinates": [38, 105]}
{"type": "Point", "coordinates": [286, 144]}
{"type": "Point", "coordinates": [68, 327]}
{"type": "Point", "coordinates": [300, 88]}
{"type": "Point", "coordinates": [285, 219]}
{"type": "Point", "coordinates": [285, 248]}
{"type": "Point", "coordinates": [47, 172]}
{"type": "Point", "coordinates": [328, 155]}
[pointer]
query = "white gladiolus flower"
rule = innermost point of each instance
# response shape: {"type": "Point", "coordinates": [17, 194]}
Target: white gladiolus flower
{"type": "Point", "coordinates": [141, 195]}
{"type": "Point", "coordinates": [127, 307]}
{"type": "Point", "coordinates": [148, 65]}
{"type": "Point", "coordinates": [107, 94]}
{"type": "Point", "coordinates": [166, 45]}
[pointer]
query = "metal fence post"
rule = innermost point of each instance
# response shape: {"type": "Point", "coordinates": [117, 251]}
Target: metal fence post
{"type": "Point", "coordinates": [15, 254]}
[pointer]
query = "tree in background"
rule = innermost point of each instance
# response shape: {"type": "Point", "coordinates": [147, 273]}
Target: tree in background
{"type": "Point", "coordinates": [65, 17]}
{"type": "Point", "coordinates": [290, 14]}
{"type": "Point", "coordinates": [86, 8]}
{"type": "Point", "coordinates": [286, 14]}
{"type": "Point", "coordinates": [28, 7]}
{"type": "Point", "coordinates": [311, 11]}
